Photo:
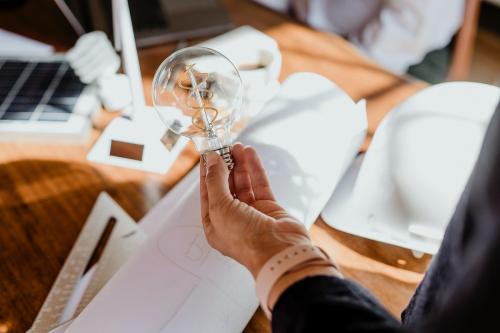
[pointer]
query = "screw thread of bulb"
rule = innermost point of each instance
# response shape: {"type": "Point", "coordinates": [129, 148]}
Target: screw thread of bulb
{"type": "Point", "coordinates": [225, 153]}
{"type": "Point", "coordinates": [227, 156]}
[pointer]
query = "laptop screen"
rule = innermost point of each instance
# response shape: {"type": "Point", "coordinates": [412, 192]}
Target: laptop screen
{"type": "Point", "coordinates": [154, 21]}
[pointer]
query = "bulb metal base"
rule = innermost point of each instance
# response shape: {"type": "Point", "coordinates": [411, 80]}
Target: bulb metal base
{"type": "Point", "coordinates": [225, 153]}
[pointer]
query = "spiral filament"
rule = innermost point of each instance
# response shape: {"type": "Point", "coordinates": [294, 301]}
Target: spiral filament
{"type": "Point", "coordinates": [196, 85]}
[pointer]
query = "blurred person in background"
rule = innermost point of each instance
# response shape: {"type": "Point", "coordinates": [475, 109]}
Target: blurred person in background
{"type": "Point", "coordinates": [397, 34]}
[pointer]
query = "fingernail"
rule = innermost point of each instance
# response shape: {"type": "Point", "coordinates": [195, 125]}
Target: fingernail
{"type": "Point", "coordinates": [212, 158]}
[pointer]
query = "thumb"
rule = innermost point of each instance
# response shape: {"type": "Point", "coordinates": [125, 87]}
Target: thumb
{"type": "Point", "coordinates": [217, 178]}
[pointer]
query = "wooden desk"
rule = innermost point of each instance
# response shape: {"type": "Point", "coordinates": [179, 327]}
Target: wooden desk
{"type": "Point", "coordinates": [47, 191]}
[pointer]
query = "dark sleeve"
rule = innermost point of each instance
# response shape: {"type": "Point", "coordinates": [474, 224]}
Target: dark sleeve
{"type": "Point", "coordinates": [330, 304]}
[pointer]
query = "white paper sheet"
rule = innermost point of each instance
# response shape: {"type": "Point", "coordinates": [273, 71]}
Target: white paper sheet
{"type": "Point", "coordinates": [176, 283]}
{"type": "Point", "coordinates": [14, 45]}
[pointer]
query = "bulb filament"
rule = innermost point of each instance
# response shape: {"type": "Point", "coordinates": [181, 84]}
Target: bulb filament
{"type": "Point", "coordinates": [207, 113]}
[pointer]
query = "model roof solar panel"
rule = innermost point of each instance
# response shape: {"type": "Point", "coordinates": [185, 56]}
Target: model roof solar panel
{"type": "Point", "coordinates": [43, 99]}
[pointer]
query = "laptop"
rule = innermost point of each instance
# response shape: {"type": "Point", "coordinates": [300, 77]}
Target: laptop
{"type": "Point", "coordinates": [154, 21]}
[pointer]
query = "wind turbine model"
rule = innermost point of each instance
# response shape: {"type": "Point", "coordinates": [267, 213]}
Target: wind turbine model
{"type": "Point", "coordinates": [133, 141]}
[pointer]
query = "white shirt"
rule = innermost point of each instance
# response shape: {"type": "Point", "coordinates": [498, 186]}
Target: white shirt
{"type": "Point", "coordinates": [395, 33]}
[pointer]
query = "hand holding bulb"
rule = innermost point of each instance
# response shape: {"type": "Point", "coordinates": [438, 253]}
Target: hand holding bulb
{"type": "Point", "coordinates": [242, 219]}
{"type": "Point", "coordinates": [240, 215]}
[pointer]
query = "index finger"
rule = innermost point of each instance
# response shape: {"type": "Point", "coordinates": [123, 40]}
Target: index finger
{"type": "Point", "coordinates": [241, 176]}
{"type": "Point", "coordinates": [205, 217]}
{"type": "Point", "coordinates": [260, 183]}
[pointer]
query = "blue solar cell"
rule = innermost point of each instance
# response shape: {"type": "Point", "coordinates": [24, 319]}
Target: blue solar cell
{"type": "Point", "coordinates": [21, 107]}
{"type": "Point", "coordinates": [16, 116]}
{"type": "Point", "coordinates": [58, 108]}
{"type": "Point", "coordinates": [63, 100]}
{"type": "Point", "coordinates": [14, 64]}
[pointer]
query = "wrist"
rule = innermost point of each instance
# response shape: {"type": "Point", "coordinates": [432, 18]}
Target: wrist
{"type": "Point", "coordinates": [260, 253]}
{"type": "Point", "coordinates": [294, 261]}
{"type": "Point", "coordinates": [260, 256]}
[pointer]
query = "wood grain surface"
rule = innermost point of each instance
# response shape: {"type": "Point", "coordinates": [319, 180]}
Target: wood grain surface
{"type": "Point", "coordinates": [47, 191]}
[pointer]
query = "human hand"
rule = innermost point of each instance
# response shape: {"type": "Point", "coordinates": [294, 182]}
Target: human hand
{"type": "Point", "coordinates": [240, 215]}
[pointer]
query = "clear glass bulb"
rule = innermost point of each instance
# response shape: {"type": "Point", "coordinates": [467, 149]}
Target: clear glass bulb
{"type": "Point", "coordinates": [197, 93]}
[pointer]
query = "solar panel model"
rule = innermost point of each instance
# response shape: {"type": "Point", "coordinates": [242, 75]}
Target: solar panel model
{"type": "Point", "coordinates": [43, 100]}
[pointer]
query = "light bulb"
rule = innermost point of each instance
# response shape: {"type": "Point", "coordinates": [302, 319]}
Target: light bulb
{"type": "Point", "coordinates": [197, 93]}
